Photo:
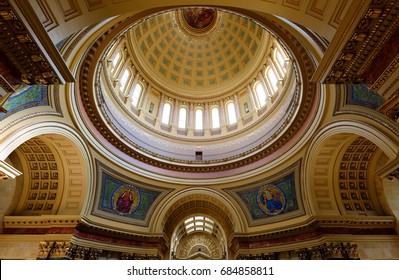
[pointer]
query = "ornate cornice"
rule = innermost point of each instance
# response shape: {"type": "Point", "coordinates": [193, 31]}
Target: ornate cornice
{"type": "Point", "coordinates": [108, 238]}
{"type": "Point", "coordinates": [324, 225]}
{"type": "Point", "coordinates": [86, 231]}
{"type": "Point", "coordinates": [372, 32]}
{"type": "Point", "coordinates": [25, 42]}
{"type": "Point", "coordinates": [45, 221]}
{"type": "Point", "coordinates": [326, 251]}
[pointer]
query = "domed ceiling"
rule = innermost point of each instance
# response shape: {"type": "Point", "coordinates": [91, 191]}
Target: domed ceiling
{"type": "Point", "coordinates": [197, 58]}
{"type": "Point", "coordinates": [199, 51]}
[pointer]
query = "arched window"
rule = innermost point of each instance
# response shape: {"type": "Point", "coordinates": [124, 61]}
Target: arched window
{"type": "Point", "coordinates": [199, 122]}
{"type": "Point", "coordinates": [182, 118]}
{"type": "Point", "coordinates": [138, 89]}
{"type": "Point", "coordinates": [116, 59]}
{"type": "Point", "coordinates": [231, 113]}
{"type": "Point", "coordinates": [260, 94]}
{"type": "Point", "coordinates": [271, 75]}
{"type": "Point", "coordinates": [166, 113]}
{"type": "Point", "coordinates": [215, 117]}
{"type": "Point", "coordinates": [281, 60]}
{"type": "Point", "coordinates": [124, 78]}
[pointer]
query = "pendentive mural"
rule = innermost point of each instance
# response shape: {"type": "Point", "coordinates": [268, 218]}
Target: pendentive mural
{"type": "Point", "coordinates": [360, 95]}
{"type": "Point", "coordinates": [271, 199]}
{"type": "Point", "coordinates": [25, 97]}
{"type": "Point", "coordinates": [123, 199]}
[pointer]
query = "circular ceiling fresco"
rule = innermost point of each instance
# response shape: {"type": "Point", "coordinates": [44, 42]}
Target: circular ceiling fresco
{"type": "Point", "coordinates": [199, 19]}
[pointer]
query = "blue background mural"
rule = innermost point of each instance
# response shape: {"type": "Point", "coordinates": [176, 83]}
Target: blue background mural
{"type": "Point", "coordinates": [111, 186]}
{"type": "Point", "coordinates": [26, 97]}
{"type": "Point", "coordinates": [361, 96]}
{"type": "Point", "coordinates": [258, 207]}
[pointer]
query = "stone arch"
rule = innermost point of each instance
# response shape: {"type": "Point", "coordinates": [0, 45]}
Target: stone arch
{"type": "Point", "coordinates": [183, 202]}
{"type": "Point", "coordinates": [327, 152]}
{"type": "Point", "coordinates": [200, 242]}
{"type": "Point", "coordinates": [198, 201]}
{"type": "Point", "coordinates": [57, 169]}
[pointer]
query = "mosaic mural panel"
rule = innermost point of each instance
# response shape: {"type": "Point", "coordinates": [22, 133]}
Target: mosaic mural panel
{"type": "Point", "coordinates": [360, 95]}
{"type": "Point", "coordinates": [271, 199]}
{"type": "Point", "coordinates": [122, 198]}
{"type": "Point", "coordinates": [26, 97]}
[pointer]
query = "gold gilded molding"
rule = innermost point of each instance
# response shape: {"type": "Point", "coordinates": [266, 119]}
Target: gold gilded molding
{"type": "Point", "coordinates": [373, 30]}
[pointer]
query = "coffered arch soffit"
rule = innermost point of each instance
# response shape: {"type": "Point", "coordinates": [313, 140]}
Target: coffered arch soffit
{"type": "Point", "coordinates": [72, 160]}
{"type": "Point", "coordinates": [328, 151]}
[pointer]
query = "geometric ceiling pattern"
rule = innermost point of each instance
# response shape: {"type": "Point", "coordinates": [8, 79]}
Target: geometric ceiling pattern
{"type": "Point", "coordinates": [200, 60]}
{"type": "Point", "coordinates": [355, 188]}
{"type": "Point", "coordinates": [44, 193]}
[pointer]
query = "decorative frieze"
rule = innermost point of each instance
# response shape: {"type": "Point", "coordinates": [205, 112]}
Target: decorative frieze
{"type": "Point", "coordinates": [52, 249]}
{"type": "Point", "coordinates": [32, 64]}
{"type": "Point", "coordinates": [76, 252]}
{"type": "Point", "coordinates": [270, 256]}
{"type": "Point", "coordinates": [329, 251]}
{"type": "Point", "coordinates": [372, 32]}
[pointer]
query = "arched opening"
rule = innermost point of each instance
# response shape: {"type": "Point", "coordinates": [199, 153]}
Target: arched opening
{"type": "Point", "coordinates": [199, 220]}
{"type": "Point", "coordinates": [198, 237]}
{"type": "Point", "coordinates": [53, 180]}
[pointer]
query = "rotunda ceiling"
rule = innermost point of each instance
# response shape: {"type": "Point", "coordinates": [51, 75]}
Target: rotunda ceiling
{"type": "Point", "coordinates": [198, 52]}
{"type": "Point", "coordinates": [197, 59]}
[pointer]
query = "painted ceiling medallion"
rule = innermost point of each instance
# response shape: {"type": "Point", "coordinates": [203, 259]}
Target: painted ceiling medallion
{"type": "Point", "coordinates": [199, 18]}
{"type": "Point", "coordinates": [197, 21]}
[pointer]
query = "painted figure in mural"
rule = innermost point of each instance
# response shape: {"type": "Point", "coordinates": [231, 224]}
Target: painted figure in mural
{"type": "Point", "coordinates": [124, 202]}
{"type": "Point", "coordinates": [263, 199]}
{"type": "Point", "coordinates": [199, 17]}
{"type": "Point", "coordinates": [274, 204]}
{"type": "Point", "coordinates": [271, 200]}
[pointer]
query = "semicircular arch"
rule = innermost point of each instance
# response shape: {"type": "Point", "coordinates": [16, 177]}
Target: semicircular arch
{"type": "Point", "coordinates": [197, 200]}
{"type": "Point", "coordinates": [324, 153]}
{"type": "Point", "coordinates": [73, 161]}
